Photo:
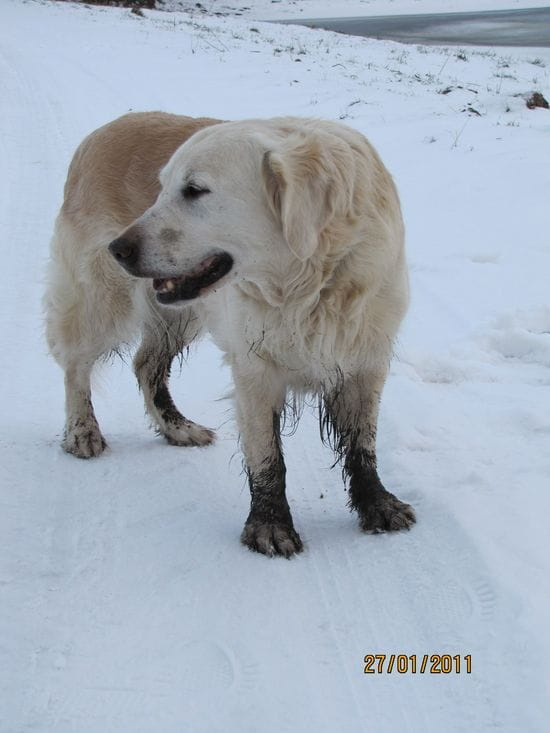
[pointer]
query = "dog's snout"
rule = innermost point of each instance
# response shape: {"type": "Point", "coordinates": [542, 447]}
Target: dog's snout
{"type": "Point", "coordinates": [125, 251]}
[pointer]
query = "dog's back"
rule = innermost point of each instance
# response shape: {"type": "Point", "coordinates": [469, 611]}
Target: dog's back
{"type": "Point", "coordinates": [114, 172]}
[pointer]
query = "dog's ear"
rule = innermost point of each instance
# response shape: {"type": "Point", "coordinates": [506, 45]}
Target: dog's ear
{"type": "Point", "coordinates": [308, 180]}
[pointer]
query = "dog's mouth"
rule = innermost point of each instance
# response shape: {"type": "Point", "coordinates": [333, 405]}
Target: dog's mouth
{"type": "Point", "coordinates": [192, 284]}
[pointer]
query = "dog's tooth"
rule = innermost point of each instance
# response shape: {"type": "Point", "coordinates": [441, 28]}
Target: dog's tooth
{"type": "Point", "coordinates": [169, 285]}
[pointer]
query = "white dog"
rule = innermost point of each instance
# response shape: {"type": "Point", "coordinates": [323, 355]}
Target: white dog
{"type": "Point", "coordinates": [284, 239]}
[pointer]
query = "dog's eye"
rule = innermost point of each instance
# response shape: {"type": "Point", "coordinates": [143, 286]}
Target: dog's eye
{"type": "Point", "coordinates": [191, 191]}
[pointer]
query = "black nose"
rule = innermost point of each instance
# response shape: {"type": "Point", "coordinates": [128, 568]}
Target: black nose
{"type": "Point", "coordinates": [125, 251]}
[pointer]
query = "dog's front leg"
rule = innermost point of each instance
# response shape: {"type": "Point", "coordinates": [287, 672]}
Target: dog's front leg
{"type": "Point", "coordinates": [259, 401]}
{"type": "Point", "coordinates": [352, 416]}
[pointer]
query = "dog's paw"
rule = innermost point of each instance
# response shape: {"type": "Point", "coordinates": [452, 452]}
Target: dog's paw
{"type": "Point", "coordinates": [84, 440]}
{"type": "Point", "coordinates": [187, 433]}
{"type": "Point", "coordinates": [385, 513]}
{"type": "Point", "coordinates": [272, 539]}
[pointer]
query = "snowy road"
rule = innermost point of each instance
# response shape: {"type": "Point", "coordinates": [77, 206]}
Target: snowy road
{"type": "Point", "coordinates": [126, 600]}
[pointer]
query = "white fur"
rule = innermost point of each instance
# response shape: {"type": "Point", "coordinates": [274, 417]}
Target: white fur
{"type": "Point", "coordinates": [318, 288]}
{"type": "Point", "coordinates": [333, 307]}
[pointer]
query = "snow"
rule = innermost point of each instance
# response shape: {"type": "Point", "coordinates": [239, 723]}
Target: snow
{"type": "Point", "coordinates": [127, 602]}
{"type": "Point", "coordinates": [289, 9]}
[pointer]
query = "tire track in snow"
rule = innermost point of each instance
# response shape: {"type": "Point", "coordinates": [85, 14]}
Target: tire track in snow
{"type": "Point", "coordinates": [34, 143]}
{"type": "Point", "coordinates": [426, 591]}
{"type": "Point", "coordinates": [355, 602]}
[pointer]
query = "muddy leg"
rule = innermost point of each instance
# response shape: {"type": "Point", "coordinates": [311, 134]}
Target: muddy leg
{"type": "Point", "coordinates": [352, 412]}
{"type": "Point", "coordinates": [269, 528]}
{"type": "Point", "coordinates": [162, 341]}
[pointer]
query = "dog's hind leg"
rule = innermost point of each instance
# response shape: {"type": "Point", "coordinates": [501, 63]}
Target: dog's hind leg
{"type": "Point", "coordinates": [89, 310]}
{"type": "Point", "coordinates": [165, 335]}
{"type": "Point", "coordinates": [350, 419]}
{"type": "Point", "coordinates": [82, 437]}
{"type": "Point", "coordinates": [79, 334]}
{"type": "Point", "coordinates": [73, 351]}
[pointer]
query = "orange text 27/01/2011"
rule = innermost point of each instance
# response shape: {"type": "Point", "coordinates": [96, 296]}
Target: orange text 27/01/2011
{"type": "Point", "coordinates": [416, 664]}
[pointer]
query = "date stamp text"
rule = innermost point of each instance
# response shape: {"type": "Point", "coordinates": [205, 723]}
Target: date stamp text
{"type": "Point", "coordinates": [417, 664]}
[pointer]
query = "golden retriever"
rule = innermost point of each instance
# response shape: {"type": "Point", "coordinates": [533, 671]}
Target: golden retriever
{"type": "Point", "coordinates": [283, 238]}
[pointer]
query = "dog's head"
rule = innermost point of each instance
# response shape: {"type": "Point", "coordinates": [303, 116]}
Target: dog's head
{"type": "Point", "coordinates": [238, 201]}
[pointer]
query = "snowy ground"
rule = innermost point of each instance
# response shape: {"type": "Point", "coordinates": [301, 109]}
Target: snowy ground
{"type": "Point", "coordinates": [279, 9]}
{"type": "Point", "coordinates": [126, 600]}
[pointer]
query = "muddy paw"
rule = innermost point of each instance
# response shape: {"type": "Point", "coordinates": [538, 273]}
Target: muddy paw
{"type": "Point", "coordinates": [385, 513]}
{"type": "Point", "coordinates": [271, 539]}
{"type": "Point", "coordinates": [188, 433]}
{"type": "Point", "coordinates": [84, 440]}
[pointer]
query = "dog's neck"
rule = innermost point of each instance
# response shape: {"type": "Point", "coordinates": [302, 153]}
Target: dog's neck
{"type": "Point", "coordinates": [305, 286]}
